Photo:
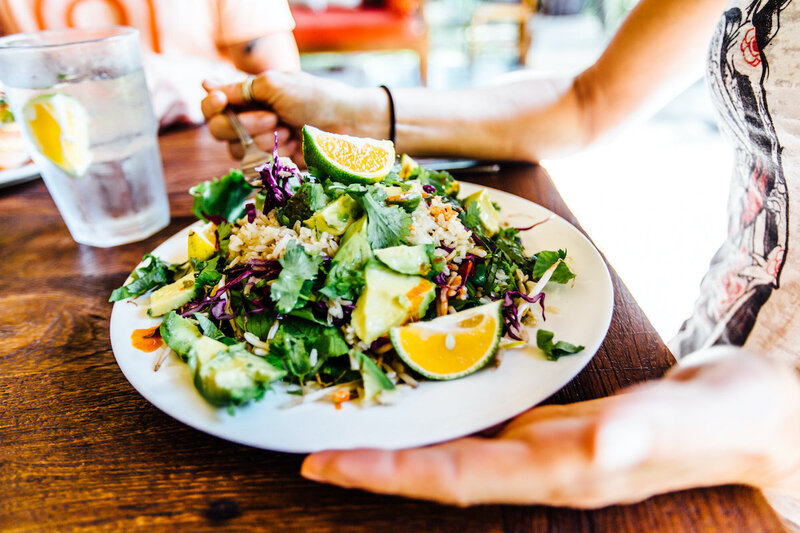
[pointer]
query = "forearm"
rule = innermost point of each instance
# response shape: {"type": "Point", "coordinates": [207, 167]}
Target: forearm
{"type": "Point", "coordinates": [276, 51]}
{"type": "Point", "coordinates": [658, 51]}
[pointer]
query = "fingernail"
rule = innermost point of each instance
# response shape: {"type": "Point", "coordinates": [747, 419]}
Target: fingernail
{"type": "Point", "coordinates": [621, 444]}
{"type": "Point", "coordinates": [312, 468]}
{"type": "Point", "coordinates": [210, 84]}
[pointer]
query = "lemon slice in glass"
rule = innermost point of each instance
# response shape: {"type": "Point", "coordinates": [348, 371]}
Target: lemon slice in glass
{"type": "Point", "coordinates": [59, 126]}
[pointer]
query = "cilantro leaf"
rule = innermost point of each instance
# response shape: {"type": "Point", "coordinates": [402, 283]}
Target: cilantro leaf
{"type": "Point", "coordinates": [330, 343]}
{"type": "Point", "coordinates": [221, 197]}
{"type": "Point", "coordinates": [544, 340]}
{"type": "Point", "coordinates": [152, 275]}
{"type": "Point", "coordinates": [545, 259]}
{"type": "Point", "coordinates": [471, 218]}
{"type": "Point", "coordinates": [295, 280]}
{"type": "Point", "coordinates": [388, 225]}
{"type": "Point", "coordinates": [207, 274]}
{"type": "Point", "coordinates": [209, 329]}
{"type": "Point", "coordinates": [507, 241]}
{"type": "Point", "coordinates": [343, 282]}
{"type": "Point", "coordinates": [296, 339]}
{"type": "Point", "coordinates": [444, 182]}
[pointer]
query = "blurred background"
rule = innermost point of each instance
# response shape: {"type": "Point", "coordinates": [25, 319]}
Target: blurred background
{"type": "Point", "coordinates": [652, 197]}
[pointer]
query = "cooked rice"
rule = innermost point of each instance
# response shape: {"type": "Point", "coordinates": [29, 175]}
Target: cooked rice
{"type": "Point", "coordinates": [439, 224]}
{"type": "Point", "coordinates": [266, 238]}
{"type": "Point", "coordinates": [335, 310]}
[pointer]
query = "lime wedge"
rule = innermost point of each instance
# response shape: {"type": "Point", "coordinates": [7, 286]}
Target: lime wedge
{"type": "Point", "coordinates": [451, 346]}
{"type": "Point", "coordinates": [345, 158]}
{"type": "Point", "coordinates": [489, 217]}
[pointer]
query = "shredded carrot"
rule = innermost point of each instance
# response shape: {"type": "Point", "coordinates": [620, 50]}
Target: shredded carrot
{"type": "Point", "coordinates": [339, 397]}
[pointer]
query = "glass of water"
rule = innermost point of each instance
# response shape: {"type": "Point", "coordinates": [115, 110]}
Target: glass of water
{"type": "Point", "coordinates": [81, 101]}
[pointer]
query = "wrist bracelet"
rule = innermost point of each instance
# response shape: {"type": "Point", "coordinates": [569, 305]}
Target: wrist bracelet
{"type": "Point", "coordinates": [392, 132]}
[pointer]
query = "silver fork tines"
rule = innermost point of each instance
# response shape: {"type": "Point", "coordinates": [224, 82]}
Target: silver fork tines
{"type": "Point", "coordinates": [253, 156]}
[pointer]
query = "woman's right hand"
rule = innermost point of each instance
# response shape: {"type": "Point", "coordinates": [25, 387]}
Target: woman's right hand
{"type": "Point", "coordinates": [285, 102]}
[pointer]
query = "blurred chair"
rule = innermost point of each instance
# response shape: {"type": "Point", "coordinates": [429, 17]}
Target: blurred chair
{"type": "Point", "coordinates": [486, 13]}
{"type": "Point", "coordinates": [372, 25]}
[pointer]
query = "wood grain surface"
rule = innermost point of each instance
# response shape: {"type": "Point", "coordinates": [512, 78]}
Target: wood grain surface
{"type": "Point", "coordinates": [81, 450]}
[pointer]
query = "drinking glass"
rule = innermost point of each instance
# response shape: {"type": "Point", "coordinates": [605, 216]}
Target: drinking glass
{"type": "Point", "coordinates": [82, 103]}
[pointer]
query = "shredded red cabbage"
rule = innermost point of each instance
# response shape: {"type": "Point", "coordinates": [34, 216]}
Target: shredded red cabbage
{"type": "Point", "coordinates": [276, 181]}
{"type": "Point", "coordinates": [440, 279]}
{"type": "Point", "coordinates": [250, 210]}
{"type": "Point", "coordinates": [215, 300]}
{"type": "Point", "coordinates": [428, 188]}
{"type": "Point", "coordinates": [216, 219]}
{"type": "Point", "coordinates": [533, 225]}
{"type": "Point", "coordinates": [511, 322]}
{"type": "Point", "coordinates": [377, 343]}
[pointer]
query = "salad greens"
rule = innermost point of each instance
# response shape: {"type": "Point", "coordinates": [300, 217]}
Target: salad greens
{"type": "Point", "coordinates": [544, 340]}
{"type": "Point", "coordinates": [297, 276]}
{"type": "Point", "coordinates": [153, 274]}
{"type": "Point", "coordinates": [292, 308]}
{"type": "Point", "coordinates": [221, 199]}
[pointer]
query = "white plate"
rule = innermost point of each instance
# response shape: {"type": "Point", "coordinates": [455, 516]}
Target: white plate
{"type": "Point", "coordinates": [12, 176]}
{"type": "Point", "coordinates": [435, 411]}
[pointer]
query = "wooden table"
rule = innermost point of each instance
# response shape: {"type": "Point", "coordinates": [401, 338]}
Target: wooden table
{"type": "Point", "coordinates": [81, 449]}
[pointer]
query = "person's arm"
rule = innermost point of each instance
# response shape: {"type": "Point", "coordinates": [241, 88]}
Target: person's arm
{"type": "Point", "coordinates": [276, 51]}
{"type": "Point", "coordinates": [657, 52]}
{"type": "Point", "coordinates": [729, 420]}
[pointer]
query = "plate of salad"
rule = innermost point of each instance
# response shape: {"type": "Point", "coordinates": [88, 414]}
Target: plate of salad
{"type": "Point", "coordinates": [364, 303]}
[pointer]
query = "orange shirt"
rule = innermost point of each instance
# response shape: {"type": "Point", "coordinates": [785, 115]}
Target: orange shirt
{"type": "Point", "coordinates": [186, 27]}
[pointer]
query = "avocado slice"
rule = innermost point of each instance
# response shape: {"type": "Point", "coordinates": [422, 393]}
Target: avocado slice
{"type": "Point", "coordinates": [407, 166]}
{"type": "Point", "coordinates": [172, 296]}
{"type": "Point", "coordinates": [407, 259]}
{"type": "Point", "coordinates": [375, 381]}
{"type": "Point", "coordinates": [335, 217]}
{"type": "Point", "coordinates": [224, 375]}
{"type": "Point", "coordinates": [389, 299]}
{"type": "Point", "coordinates": [489, 217]}
{"type": "Point", "coordinates": [179, 333]}
{"type": "Point", "coordinates": [409, 200]}
{"type": "Point", "coordinates": [232, 375]}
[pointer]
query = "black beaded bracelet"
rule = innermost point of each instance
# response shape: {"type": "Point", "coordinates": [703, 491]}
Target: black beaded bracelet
{"type": "Point", "coordinates": [392, 131]}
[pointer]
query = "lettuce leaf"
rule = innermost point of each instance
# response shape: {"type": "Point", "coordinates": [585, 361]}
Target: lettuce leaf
{"type": "Point", "coordinates": [154, 274]}
{"type": "Point", "coordinates": [545, 259]}
{"type": "Point", "coordinates": [223, 197]}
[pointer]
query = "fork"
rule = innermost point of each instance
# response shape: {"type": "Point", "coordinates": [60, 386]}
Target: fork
{"type": "Point", "coordinates": [253, 156]}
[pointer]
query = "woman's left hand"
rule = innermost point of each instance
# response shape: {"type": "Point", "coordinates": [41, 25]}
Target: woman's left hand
{"type": "Point", "coordinates": [733, 419]}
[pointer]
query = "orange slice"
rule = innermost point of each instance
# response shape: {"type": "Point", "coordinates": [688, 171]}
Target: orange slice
{"type": "Point", "coordinates": [451, 346]}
